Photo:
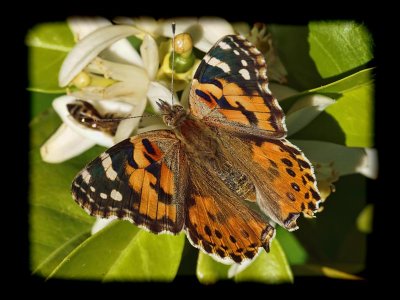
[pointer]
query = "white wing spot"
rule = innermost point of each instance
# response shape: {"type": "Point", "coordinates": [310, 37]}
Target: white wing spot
{"type": "Point", "coordinates": [103, 196]}
{"type": "Point", "coordinates": [236, 52]}
{"type": "Point", "coordinates": [244, 63]}
{"type": "Point", "coordinates": [115, 195]}
{"type": "Point", "coordinates": [92, 189]}
{"type": "Point", "coordinates": [215, 62]}
{"type": "Point", "coordinates": [255, 51]}
{"type": "Point", "coordinates": [224, 46]}
{"type": "Point", "coordinates": [245, 74]}
{"type": "Point", "coordinates": [86, 176]}
{"type": "Point", "coordinates": [107, 166]}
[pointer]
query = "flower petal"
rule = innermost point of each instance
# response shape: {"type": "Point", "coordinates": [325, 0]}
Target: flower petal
{"type": "Point", "coordinates": [103, 106]}
{"type": "Point", "coordinates": [147, 24]}
{"type": "Point", "coordinates": [185, 96]}
{"type": "Point", "coordinates": [83, 26]}
{"type": "Point", "coordinates": [121, 51]}
{"type": "Point", "coordinates": [88, 48]}
{"type": "Point", "coordinates": [149, 52]}
{"type": "Point", "coordinates": [215, 28]}
{"type": "Point", "coordinates": [156, 92]}
{"type": "Point", "coordinates": [126, 127]}
{"type": "Point", "coordinates": [191, 26]}
{"type": "Point", "coordinates": [116, 71]}
{"type": "Point", "coordinates": [152, 127]}
{"type": "Point", "coordinates": [133, 80]}
{"type": "Point", "coordinates": [100, 224]}
{"type": "Point", "coordinates": [64, 144]}
{"type": "Point", "coordinates": [185, 24]}
{"type": "Point", "coordinates": [344, 160]}
{"type": "Point", "coordinates": [305, 110]}
{"type": "Point", "coordinates": [280, 91]}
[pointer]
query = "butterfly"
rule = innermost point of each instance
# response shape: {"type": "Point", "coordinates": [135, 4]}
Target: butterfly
{"type": "Point", "coordinates": [223, 173]}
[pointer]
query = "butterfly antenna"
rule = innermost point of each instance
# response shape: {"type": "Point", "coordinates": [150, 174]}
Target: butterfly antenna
{"type": "Point", "coordinates": [123, 118]}
{"type": "Point", "coordinates": [173, 62]}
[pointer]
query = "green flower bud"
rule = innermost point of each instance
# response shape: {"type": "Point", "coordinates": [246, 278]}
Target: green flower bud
{"type": "Point", "coordinates": [182, 64]}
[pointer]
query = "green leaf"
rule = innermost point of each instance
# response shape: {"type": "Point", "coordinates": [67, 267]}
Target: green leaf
{"type": "Point", "coordinates": [209, 271]}
{"type": "Point", "coordinates": [55, 258]}
{"type": "Point", "coordinates": [55, 219]}
{"type": "Point", "coordinates": [295, 252]}
{"type": "Point", "coordinates": [294, 52]}
{"type": "Point", "coordinates": [270, 268]}
{"type": "Point", "coordinates": [40, 102]}
{"type": "Point", "coordinates": [338, 47]}
{"type": "Point", "coordinates": [349, 121]}
{"type": "Point", "coordinates": [125, 253]}
{"type": "Point", "coordinates": [365, 218]}
{"type": "Point", "coordinates": [49, 44]}
{"type": "Point", "coordinates": [317, 270]}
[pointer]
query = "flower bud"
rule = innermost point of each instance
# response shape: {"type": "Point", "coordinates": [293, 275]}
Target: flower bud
{"type": "Point", "coordinates": [183, 44]}
{"type": "Point", "coordinates": [81, 80]}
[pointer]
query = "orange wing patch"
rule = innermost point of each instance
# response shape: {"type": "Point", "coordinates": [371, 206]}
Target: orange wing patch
{"type": "Point", "coordinates": [224, 227]}
{"type": "Point", "coordinates": [292, 177]}
{"type": "Point", "coordinates": [146, 182]}
{"type": "Point", "coordinates": [224, 103]}
{"type": "Point", "coordinates": [283, 177]}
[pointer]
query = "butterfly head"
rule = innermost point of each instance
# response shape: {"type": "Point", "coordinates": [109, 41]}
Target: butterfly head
{"type": "Point", "coordinates": [173, 115]}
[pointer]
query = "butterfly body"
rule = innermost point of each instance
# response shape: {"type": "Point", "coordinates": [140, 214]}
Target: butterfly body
{"type": "Point", "coordinates": [224, 173]}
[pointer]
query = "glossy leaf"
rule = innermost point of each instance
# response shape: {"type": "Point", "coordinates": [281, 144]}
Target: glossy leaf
{"type": "Point", "coordinates": [365, 218]}
{"type": "Point", "coordinates": [294, 51]}
{"type": "Point", "coordinates": [48, 44]}
{"type": "Point", "coordinates": [209, 271]}
{"type": "Point", "coordinates": [123, 252]}
{"type": "Point", "coordinates": [349, 121]}
{"type": "Point", "coordinates": [338, 47]}
{"type": "Point", "coordinates": [270, 268]}
{"type": "Point", "coordinates": [294, 250]}
{"type": "Point", "coordinates": [55, 219]}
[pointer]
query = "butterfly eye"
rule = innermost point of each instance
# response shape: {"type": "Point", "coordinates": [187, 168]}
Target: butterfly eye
{"type": "Point", "coordinates": [178, 108]}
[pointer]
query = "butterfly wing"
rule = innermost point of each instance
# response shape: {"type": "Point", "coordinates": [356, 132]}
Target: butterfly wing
{"type": "Point", "coordinates": [230, 90]}
{"type": "Point", "coordinates": [230, 94]}
{"type": "Point", "coordinates": [220, 224]}
{"type": "Point", "coordinates": [141, 179]}
{"type": "Point", "coordinates": [283, 177]}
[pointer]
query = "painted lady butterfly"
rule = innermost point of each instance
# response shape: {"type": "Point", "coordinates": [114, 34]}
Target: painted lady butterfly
{"type": "Point", "coordinates": [224, 173]}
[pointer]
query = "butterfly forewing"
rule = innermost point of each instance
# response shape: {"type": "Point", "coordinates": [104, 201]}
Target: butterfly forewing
{"type": "Point", "coordinates": [230, 90]}
{"type": "Point", "coordinates": [141, 179]}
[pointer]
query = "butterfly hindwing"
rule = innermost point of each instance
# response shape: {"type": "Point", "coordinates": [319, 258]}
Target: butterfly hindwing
{"type": "Point", "coordinates": [141, 179]}
{"type": "Point", "coordinates": [283, 177]}
{"type": "Point", "coordinates": [230, 90]}
{"type": "Point", "coordinates": [219, 223]}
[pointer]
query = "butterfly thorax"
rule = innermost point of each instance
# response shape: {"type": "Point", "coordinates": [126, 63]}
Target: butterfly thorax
{"type": "Point", "coordinates": [197, 138]}
{"type": "Point", "coordinates": [173, 115]}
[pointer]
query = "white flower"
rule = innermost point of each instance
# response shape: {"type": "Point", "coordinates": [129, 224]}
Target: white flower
{"type": "Point", "coordinates": [119, 86]}
{"type": "Point", "coordinates": [205, 31]}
